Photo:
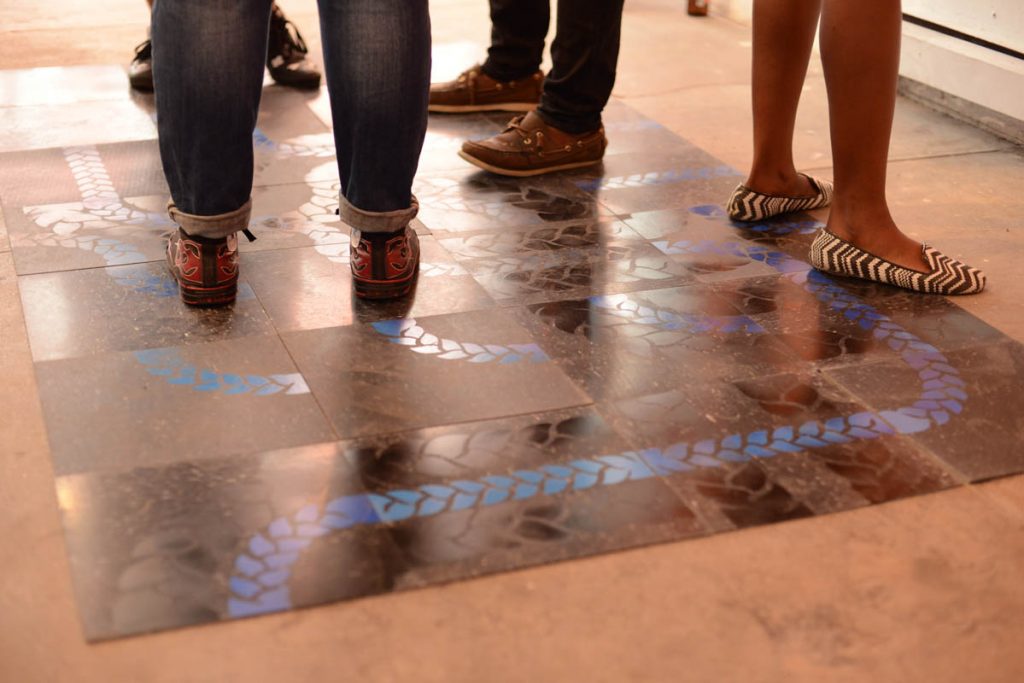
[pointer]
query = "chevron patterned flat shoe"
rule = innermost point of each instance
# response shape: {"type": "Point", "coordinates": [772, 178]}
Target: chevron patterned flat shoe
{"type": "Point", "coordinates": [834, 255]}
{"type": "Point", "coordinates": [749, 205]}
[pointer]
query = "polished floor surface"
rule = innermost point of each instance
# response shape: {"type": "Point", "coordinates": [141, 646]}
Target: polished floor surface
{"type": "Point", "coordinates": [592, 362]}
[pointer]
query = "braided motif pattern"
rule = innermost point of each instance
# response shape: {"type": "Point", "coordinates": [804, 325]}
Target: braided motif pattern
{"type": "Point", "coordinates": [622, 306]}
{"type": "Point", "coordinates": [289, 149]}
{"type": "Point", "coordinates": [167, 363]}
{"type": "Point", "coordinates": [260, 582]}
{"type": "Point", "coordinates": [405, 332]}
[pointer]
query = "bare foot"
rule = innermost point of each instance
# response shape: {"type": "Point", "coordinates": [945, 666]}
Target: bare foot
{"type": "Point", "coordinates": [882, 239]}
{"type": "Point", "coordinates": [780, 184]}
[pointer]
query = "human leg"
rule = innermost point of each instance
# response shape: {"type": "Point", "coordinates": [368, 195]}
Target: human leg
{"type": "Point", "coordinates": [585, 54]}
{"type": "Point", "coordinates": [378, 88]}
{"type": "Point", "coordinates": [208, 69]}
{"type": "Point", "coordinates": [518, 30]}
{"type": "Point", "coordinates": [860, 52]}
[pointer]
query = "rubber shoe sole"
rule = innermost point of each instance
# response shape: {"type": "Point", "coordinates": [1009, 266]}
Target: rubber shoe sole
{"type": "Point", "coordinates": [471, 108]}
{"type": "Point", "coordinates": [526, 172]}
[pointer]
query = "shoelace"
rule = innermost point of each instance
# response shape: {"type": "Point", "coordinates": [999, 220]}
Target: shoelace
{"type": "Point", "coordinates": [516, 124]}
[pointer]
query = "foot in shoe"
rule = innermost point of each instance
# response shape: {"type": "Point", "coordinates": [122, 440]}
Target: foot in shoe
{"type": "Point", "coordinates": [205, 269]}
{"type": "Point", "coordinates": [529, 147]}
{"type": "Point", "coordinates": [384, 264]}
{"type": "Point", "coordinates": [943, 274]}
{"type": "Point", "coordinates": [140, 71]}
{"type": "Point", "coordinates": [286, 54]}
{"type": "Point", "coordinates": [474, 90]}
{"type": "Point", "coordinates": [747, 204]}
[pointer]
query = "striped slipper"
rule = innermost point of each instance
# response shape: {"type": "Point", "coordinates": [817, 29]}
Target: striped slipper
{"type": "Point", "coordinates": [749, 205]}
{"type": "Point", "coordinates": [834, 255]}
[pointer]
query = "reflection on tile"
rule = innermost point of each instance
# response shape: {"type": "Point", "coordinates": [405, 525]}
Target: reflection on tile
{"type": "Point", "coordinates": [304, 289]}
{"type": "Point", "coordinates": [582, 234]}
{"type": "Point", "coordinates": [475, 200]}
{"type": "Point", "coordinates": [64, 125]}
{"type": "Point", "coordinates": [84, 312]}
{"type": "Point", "coordinates": [614, 267]}
{"type": "Point", "coordinates": [61, 85]}
{"type": "Point", "coordinates": [155, 548]}
{"type": "Point", "coordinates": [176, 405]}
{"type": "Point", "coordinates": [407, 374]}
{"type": "Point", "coordinates": [647, 342]}
{"type": "Point", "coordinates": [981, 435]}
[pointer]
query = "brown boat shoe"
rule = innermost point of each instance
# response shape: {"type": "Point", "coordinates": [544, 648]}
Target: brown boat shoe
{"type": "Point", "coordinates": [474, 90]}
{"type": "Point", "coordinates": [531, 147]}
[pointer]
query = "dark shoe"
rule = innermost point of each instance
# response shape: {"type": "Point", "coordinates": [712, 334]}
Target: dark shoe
{"type": "Point", "coordinates": [140, 71]}
{"type": "Point", "coordinates": [384, 264]}
{"type": "Point", "coordinates": [531, 147]}
{"type": "Point", "coordinates": [750, 205]}
{"type": "Point", "coordinates": [286, 54]}
{"type": "Point", "coordinates": [474, 90]}
{"type": "Point", "coordinates": [206, 269]}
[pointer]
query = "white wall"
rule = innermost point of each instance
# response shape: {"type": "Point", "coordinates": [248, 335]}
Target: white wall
{"type": "Point", "coordinates": [952, 65]}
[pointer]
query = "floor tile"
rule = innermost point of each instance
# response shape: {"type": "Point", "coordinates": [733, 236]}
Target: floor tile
{"type": "Point", "coordinates": [618, 266]}
{"type": "Point", "coordinates": [311, 288]}
{"type": "Point", "coordinates": [63, 125]}
{"type": "Point", "coordinates": [651, 341]}
{"type": "Point", "coordinates": [61, 85]}
{"type": "Point", "coordinates": [968, 411]}
{"type": "Point", "coordinates": [148, 549]}
{"type": "Point", "coordinates": [5, 244]}
{"type": "Point", "coordinates": [125, 308]}
{"type": "Point", "coordinates": [454, 368]}
{"type": "Point", "coordinates": [176, 404]}
{"type": "Point", "coordinates": [474, 200]}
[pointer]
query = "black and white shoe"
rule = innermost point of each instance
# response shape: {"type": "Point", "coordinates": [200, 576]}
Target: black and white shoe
{"type": "Point", "coordinates": [286, 54]}
{"type": "Point", "coordinates": [835, 255]}
{"type": "Point", "coordinates": [750, 205]}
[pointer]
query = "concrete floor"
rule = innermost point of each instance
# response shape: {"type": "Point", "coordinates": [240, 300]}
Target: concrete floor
{"type": "Point", "coordinates": [927, 588]}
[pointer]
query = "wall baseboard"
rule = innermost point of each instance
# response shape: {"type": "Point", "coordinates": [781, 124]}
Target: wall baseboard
{"type": "Point", "coordinates": [994, 122]}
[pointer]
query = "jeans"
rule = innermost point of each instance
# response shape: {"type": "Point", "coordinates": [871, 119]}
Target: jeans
{"type": "Point", "coordinates": [585, 53]}
{"type": "Point", "coordinates": [208, 60]}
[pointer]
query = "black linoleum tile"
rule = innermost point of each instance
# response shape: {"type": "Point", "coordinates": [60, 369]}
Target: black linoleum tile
{"type": "Point", "coordinates": [126, 308]}
{"type": "Point", "coordinates": [408, 373]}
{"type": "Point", "coordinates": [176, 404]}
{"type": "Point", "coordinates": [963, 405]}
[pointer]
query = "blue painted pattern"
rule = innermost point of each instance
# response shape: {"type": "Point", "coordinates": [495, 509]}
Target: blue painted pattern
{"type": "Point", "coordinates": [405, 332]}
{"type": "Point", "coordinates": [657, 178]}
{"type": "Point", "coordinates": [167, 363]}
{"type": "Point", "coordinates": [261, 573]}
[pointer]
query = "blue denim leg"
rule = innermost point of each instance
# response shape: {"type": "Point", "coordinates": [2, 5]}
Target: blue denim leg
{"type": "Point", "coordinates": [208, 58]}
{"type": "Point", "coordinates": [377, 60]}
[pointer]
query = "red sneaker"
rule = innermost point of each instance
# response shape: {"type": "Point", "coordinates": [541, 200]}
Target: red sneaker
{"type": "Point", "coordinates": [384, 264]}
{"type": "Point", "coordinates": [206, 269]}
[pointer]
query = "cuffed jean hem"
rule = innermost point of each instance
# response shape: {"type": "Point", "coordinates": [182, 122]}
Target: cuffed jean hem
{"type": "Point", "coordinates": [212, 227]}
{"type": "Point", "coordinates": [376, 221]}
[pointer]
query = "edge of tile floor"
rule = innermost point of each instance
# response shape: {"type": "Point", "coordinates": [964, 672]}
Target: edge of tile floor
{"type": "Point", "coordinates": [921, 589]}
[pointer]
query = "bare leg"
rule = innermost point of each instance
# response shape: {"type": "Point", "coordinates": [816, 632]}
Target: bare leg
{"type": "Point", "coordinates": [860, 46]}
{"type": "Point", "coordinates": [783, 38]}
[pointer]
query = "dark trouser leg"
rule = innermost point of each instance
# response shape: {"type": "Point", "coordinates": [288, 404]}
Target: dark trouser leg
{"type": "Point", "coordinates": [377, 58]}
{"type": "Point", "coordinates": [518, 29]}
{"type": "Point", "coordinates": [585, 54]}
{"type": "Point", "coordinates": [208, 58]}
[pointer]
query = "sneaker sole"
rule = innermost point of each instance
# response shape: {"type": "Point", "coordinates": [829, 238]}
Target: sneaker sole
{"type": "Point", "coordinates": [205, 298]}
{"type": "Point", "coordinates": [385, 290]}
{"type": "Point", "coordinates": [526, 173]}
{"type": "Point", "coordinates": [470, 108]}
